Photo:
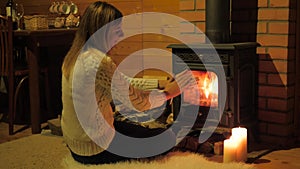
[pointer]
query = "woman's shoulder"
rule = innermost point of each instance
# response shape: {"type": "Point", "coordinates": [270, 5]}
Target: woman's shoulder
{"type": "Point", "coordinates": [93, 57]}
{"type": "Point", "coordinates": [91, 54]}
{"type": "Point", "coordinates": [94, 60]}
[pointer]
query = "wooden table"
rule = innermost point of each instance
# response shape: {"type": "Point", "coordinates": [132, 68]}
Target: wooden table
{"type": "Point", "coordinates": [34, 40]}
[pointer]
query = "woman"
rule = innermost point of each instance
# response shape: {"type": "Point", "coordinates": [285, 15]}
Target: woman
{"type": "Point", "coordinates": [90, 83]}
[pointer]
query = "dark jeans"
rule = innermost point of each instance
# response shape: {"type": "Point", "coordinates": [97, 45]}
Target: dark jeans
{"type": "Point", "coordinates": [128, 129]}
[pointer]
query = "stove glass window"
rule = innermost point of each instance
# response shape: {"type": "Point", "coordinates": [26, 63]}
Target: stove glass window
{"type": "Point", "coordinates": [207, 84]}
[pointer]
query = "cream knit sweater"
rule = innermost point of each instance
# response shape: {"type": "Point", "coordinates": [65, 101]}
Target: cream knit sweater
{"type": "Point", "coordinates": [87, 117]}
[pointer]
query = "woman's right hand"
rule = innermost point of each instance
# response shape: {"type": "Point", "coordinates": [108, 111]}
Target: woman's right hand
{"type": "Point", "coordinates": [176, 85]}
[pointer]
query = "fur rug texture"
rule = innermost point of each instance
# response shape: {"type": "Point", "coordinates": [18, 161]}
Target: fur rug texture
{"type": "Point", "coordinates": [47, 151]}
{"type": "Point", "coordinates": [174, 160]}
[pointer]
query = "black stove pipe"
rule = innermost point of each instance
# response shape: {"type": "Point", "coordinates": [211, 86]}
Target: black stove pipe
{"type": "Point", "coordinates": [217, 21]}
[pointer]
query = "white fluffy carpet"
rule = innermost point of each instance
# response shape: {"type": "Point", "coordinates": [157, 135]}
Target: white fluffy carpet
{"type": "Point", "coordinates": [33, 152]}
{"type": "Point", "coordinates": [50, 152]}
{"type": "Point", "coordinates": [174, 160]}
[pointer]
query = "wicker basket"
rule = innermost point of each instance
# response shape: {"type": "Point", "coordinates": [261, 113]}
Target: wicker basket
{"type": "Point", "coordinates": [36, 22]}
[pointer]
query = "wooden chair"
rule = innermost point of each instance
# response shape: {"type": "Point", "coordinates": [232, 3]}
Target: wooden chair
{"type": "Point", "coordinates": [14, 69]}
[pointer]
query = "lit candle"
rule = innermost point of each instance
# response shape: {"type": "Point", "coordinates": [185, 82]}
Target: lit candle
{"type": "Point", "coordinates": [230, 147]}
{"type": "Point", "coordinates": [240, 135]}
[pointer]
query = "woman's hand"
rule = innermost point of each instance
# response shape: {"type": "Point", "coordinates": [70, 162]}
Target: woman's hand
{"type": "Point", "coordinates": [162, 83]}
{"type": "Point", "coordinates": [172, 89]}
{"type": "Point", "coordinates": [176, 86]}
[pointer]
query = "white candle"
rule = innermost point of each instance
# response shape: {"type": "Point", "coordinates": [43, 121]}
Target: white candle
{"type": "Point", "coordinates": [230, 147]}
{"type": "Point", "coordinates": [240, 135]}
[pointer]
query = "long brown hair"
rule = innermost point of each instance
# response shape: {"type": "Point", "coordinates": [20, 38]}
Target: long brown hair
{"type": "Point", "coordinates": [97, 15]}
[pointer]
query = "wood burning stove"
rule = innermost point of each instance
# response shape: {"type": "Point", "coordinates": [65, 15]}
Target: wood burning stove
{"type": "Point", "coordinates": [239, 61]}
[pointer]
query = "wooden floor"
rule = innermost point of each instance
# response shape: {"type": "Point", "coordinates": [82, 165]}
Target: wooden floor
{"type": "Point", "coordinates": [280, 159]}
{"type": "Point", "coordinates": [20, 131]}
{"type": "Point", "coordinates": [277, 159]}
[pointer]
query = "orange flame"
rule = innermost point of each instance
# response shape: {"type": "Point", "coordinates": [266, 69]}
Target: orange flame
{"type": "Point", "coordinates": [207, 85]}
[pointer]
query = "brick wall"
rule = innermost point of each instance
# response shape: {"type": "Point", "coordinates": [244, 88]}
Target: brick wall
{"type": "Point", "coordinates": [271, 23]}
{"type": "Point", "coordinates": [194, 12]}
{"type": "Point", "coordinates": [276, 69]}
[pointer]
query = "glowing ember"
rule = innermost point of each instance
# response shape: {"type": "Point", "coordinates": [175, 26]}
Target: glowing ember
{"type": "Point", "coordinates": [208, 87]}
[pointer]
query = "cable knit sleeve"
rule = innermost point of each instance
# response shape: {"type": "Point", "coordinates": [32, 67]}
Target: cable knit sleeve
{"type": "Point", "coordinates": [132, 92]}
{"type": "Point", "coordinates": [144, 84]}
{"type": "Point", "coordinates": [136, 94]}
